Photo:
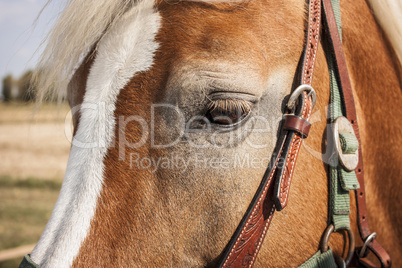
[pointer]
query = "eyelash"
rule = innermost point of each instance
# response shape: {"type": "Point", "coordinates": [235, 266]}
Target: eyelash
{"type": "Point", "coordinates": [229, 105]}
{"type": "Point", "coordinates": [227, 111]}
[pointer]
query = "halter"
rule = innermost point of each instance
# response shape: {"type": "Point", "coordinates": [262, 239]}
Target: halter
{"type": "Point", "coordinates": [346, 168]}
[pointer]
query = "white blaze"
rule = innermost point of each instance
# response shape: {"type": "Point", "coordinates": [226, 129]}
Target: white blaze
{"type": "Point", "coordinates": [128, 48]}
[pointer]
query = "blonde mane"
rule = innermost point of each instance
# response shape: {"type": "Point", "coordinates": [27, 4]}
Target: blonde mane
{"type": "Point", "coordinates": [79, 27]}
{"type": "Point", "coordinates": [84, 22]}
{"type": "Point", "coordinates": [389, 16]}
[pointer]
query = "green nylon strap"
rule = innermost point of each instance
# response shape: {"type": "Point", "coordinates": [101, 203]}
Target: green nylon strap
{"type": "Point", "coordinates": [28, 263]}
{"type": "Point", "coordinates": [348, 180]}
{"type": "Point", "coordinates": [320, 260]}
{"type": "Point", "coordinates": [349, 142]}
{"type": "Point", "coordinates": [340, 181]}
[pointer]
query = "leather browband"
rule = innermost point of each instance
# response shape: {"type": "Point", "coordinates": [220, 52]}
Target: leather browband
{"type": "Point", "coordinates": [244, 245]}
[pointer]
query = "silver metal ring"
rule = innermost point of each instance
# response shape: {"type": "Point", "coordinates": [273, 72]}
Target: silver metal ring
{"type": "Point", "coordinates": [368, 240]}
{"type": "Point", "coordinates": [295, 95]}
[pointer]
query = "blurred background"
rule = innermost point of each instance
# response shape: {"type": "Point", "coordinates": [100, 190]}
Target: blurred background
{"type": "Point", "coordinates": [34, 141]}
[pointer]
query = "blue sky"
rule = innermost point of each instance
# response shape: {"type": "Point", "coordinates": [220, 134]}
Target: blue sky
{"type": "Point", "coordinates": [20, 36]}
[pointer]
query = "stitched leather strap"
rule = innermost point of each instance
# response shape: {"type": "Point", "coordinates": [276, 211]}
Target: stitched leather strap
{"type": "Point", "coordinates": [243, 248]}
{"type": "Point", "coordinates": [334, 40]}
{"type": "Point", "coordinates": [284, 174]}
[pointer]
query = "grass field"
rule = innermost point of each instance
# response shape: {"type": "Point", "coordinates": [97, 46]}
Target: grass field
{"type": "Point", "coordinates": [34, 146]}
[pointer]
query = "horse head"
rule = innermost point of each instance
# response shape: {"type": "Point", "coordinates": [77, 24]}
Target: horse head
{"type": "Point", "coordinates": [176, 110]}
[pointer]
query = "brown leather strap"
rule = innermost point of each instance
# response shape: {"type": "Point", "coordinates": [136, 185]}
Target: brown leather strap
{"type": "Point", "coordinates": [298, 124]}
{"type": "Point", "coordinates": [292, 146]}
{"type": "Point", "coordinates": [243, 248]}
{"type": "Point", "coordinates": [331, 30]}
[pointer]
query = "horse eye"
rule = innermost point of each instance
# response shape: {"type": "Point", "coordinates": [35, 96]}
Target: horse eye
{"type": "Point", "coordinates": [227, 112]}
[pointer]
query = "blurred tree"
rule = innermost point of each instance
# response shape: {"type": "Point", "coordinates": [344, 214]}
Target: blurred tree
{"type": "Point", "coordinates": [23, 89]}
{"type": "Point", "coordinates": [26, 89]}
{"type": "Point", "coordinates": [8, 84]}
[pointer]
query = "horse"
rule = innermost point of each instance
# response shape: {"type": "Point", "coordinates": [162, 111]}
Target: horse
{"type": "Point", "coordinates": [176, 109]}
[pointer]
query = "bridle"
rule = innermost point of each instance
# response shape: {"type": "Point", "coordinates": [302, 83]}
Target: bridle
{"type": "Point", "coordinates": [273, 192]}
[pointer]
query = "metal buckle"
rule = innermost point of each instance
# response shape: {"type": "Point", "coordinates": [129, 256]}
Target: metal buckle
{"type": "Point", "coordinates": [348, 161]}
{"type": "Point", "coordinates": [368, 240]}
{"type": "Point", "coordinates": [295, 95]}
{"type": "Point", "coordinates": [325, 237]}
